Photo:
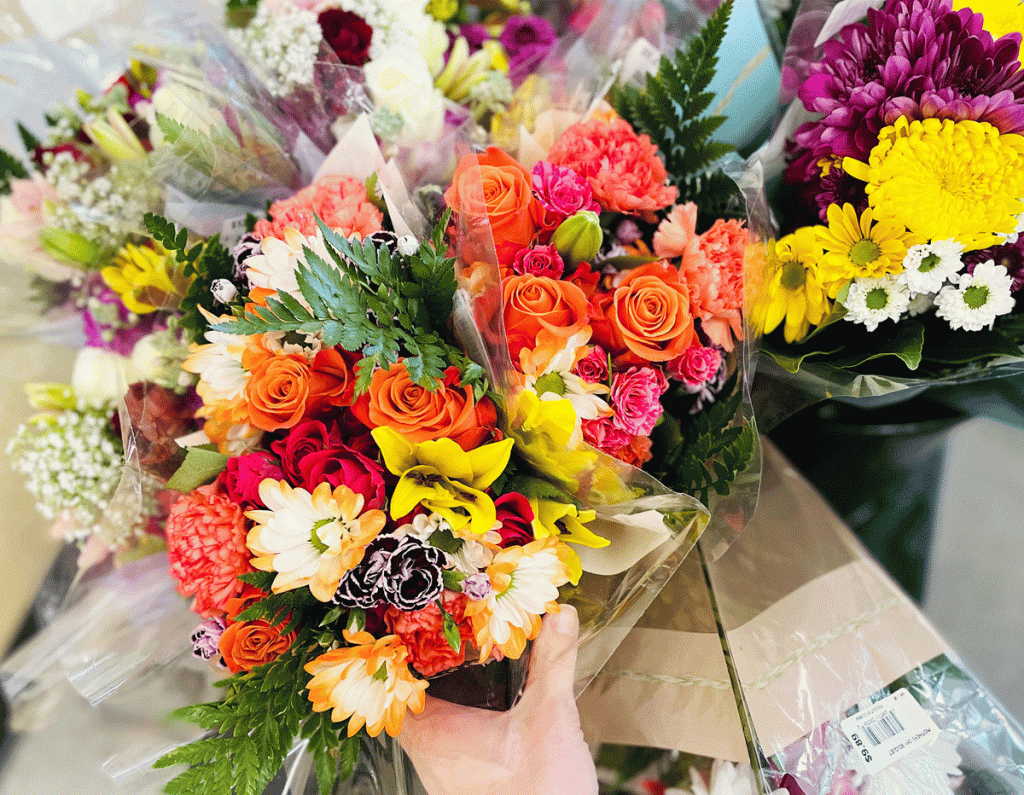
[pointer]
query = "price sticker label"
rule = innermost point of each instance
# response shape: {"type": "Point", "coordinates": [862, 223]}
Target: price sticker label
{"type": "Point", "coordinates": [888, 730]}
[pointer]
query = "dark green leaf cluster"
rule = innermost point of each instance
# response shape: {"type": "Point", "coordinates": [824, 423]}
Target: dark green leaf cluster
{"type": "Point", "coordinates": [253, 729]}
{"type": "Point", "coordinates": [10, 167]}
{"type": "Point", "coordinates": [372, 300]}
{"type": "Point", "coordinates": [710, 449]}
{"type": "Point", "coordinates": [672, 108]}
{"type": "Point", "coordinates": [207, 261]}
{"type": "Point", "coordinates": [28, 140]}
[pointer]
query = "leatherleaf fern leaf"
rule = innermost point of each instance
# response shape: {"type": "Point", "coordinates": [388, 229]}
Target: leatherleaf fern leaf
{"type": "Point", "coordinates": [372, 300]}
{"type": "Point", "coordinates": [672, 110]}
{"type": "Point", "coordinates": [254, 728]}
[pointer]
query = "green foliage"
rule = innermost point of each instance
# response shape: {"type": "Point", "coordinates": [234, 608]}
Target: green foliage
{"type": "Point", "coordinates": [709, 450]}
{"type": "Point", "coordinates": [276, 608]}
{"type": "Point", "coordinates": [368, 299]}
{"type": "Point", "coordinates": [672, 110]}
{"type": "Point", "coordinates": [207, 261]}
{"type": "Point", "coordinates": [252, 729]}
{"type": "Point", "coordinates": [201, 466]}
{"type": "Point", "coordinates": [28, 140]}
{"type": "Point", "coordinates": [10, 167]}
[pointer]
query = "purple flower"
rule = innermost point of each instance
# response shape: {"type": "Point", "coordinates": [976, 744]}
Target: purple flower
{"type": "Point", "coordinates": [838, 187]}
{"type": "Point", "coordinates": [1010, 256]}
{"type": "Point", "coordinates": [412, 576]}
{"type": "Point", "coordinates": [914, 58]}
{"type": "Point", "coordinates": [527, 40]}
{"type": "Point", "coordinates": [108, 323]}
{"type": "Point", "coordinates": [206, 640]}
{"type": "Point", "coordinates": [477, 586]}
{"type": "Point", "coordinates": [247, 246]}
{"type": "Point", "coordinates": [475, 35]}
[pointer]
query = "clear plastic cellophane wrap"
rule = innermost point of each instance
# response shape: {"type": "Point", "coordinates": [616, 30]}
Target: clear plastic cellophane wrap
{"type": "Point", "coordinates": [842, 684]}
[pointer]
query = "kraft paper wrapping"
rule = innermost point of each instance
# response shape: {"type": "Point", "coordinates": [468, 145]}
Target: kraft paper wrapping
{"type": "Point", "coordinates": [813, 623]}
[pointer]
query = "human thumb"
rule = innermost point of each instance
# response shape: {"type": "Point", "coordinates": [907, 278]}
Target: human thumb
{"type": "Point", "coordinates": [553, 657]}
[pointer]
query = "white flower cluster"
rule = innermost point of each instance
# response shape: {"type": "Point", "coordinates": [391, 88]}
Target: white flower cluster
{"type": "Point", "coordinates": [933, 277]}
{"type": "Point", "coordinates": [284, 43]}
{"type": "Point", "coordinates": [106, 210]}
{"type": "Point", "coordinates": [73, 463]}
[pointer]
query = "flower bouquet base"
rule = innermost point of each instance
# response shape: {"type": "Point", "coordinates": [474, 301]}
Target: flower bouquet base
{"type": "Point", "coordinates": [496, 686]}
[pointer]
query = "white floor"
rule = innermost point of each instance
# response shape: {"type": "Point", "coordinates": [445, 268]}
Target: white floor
{"type": "Point", "coordinates": [975, 588]}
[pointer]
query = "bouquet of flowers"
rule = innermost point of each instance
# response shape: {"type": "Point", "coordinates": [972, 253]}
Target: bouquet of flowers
{"type": "Point", "coordinates": [900, 203]}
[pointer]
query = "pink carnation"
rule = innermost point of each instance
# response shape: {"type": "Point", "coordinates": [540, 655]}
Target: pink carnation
{"type": "Point", "coordinates": [636, 398]}
{"type": "Point", "coordinates": [696, 366]}
{"type": "Point", "coordinates": [539, 261]}
{"type": "Point", "coordinates": [716, 288]}
{"type": "Point", "coordinates": [339, 201]}
{"type": "Point", "coordinates": [603, 435]}
{"type": "Point", "coordinates": [623, 169]}
{"type": "Point", "coordinates": [206, 548]}
{"type": "Point", "coordinates": [593, 368]}
{"type": "Point", "coordinates": [676, 236]}
{"type": "Point", "coordinates": [561, 191]}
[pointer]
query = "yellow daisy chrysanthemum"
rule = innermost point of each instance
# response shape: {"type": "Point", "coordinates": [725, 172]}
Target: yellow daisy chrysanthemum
{"type": "Point", "coordinates": [789, 287]}
{"type": "Point", "coordinates": [147, 279]}
{"type": "Point", "coordinates": [945, 179]}
{"type": "Point", "coordinates": [1001, 16]}
{"type": "Point", "coordinates": [860, 247]}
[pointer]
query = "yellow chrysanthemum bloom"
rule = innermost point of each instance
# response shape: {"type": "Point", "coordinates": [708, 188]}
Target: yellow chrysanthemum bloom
{"type": "Point", "coordinates": [1001, 16]}
{"type": "Point", "coordinates": [946, 179]}
{"type": "Point", "coordinates": [860, 247]}
{"type": "Point", "coordinates": [788, 285]}
{"type": "Point", "coordinates": [147, 279]}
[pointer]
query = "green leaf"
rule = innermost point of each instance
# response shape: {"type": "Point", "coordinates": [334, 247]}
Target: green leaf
{"type": "Point", "coordinates": [10, 167]}
{"type": "Point", "coordinates": [537, 488]}
{"type": "Point", "coordinates": [451, 630]}
{"type": "Point", "coordinates": [28, 140]}
{"type": "Point", "coordinates": [201, 466]}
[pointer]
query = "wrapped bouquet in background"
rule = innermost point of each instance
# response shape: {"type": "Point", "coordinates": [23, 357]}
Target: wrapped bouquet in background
{"type": "Point", "coordinates": [899, 256]}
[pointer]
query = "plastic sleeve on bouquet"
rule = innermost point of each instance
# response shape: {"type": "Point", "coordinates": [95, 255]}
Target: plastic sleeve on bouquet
{"type": "Point", "coordinates": [847, 685]}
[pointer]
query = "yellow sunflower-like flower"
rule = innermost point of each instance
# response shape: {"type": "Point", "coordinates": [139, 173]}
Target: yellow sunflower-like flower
{"type": "Point", "coordinates": [945, 179]}
{"type": "Point", "coordinates": [788, 286]}
{"type": "Point", "coordinates": [1001, 16]}
{"type": "Point", "coordinates": [444, 478]}
{"type": "Point", "coordinates": [860, 247]}
{"type": "Point", "coordinates": [310, 538]}
{"type": "Point", "coordinates": [524, 586]}
{"type": "Point", "coordinates": [147, 279]}
{"type": "Point", "coordinates": [369, 684]}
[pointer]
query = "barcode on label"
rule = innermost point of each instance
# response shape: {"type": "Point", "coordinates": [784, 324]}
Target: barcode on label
{"type": "Point", "coordinates": [882, 728]}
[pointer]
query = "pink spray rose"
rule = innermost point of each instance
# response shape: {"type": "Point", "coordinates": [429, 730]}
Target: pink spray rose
{"type": "Point", "coordinates": [696, 366]}
{"type": "Point", "coordinates": [244, 473]}
{"type": "Point", "coordinates": [636, 398]}
{"type": "Point", "coordinates": [539, 261]}
{"type": "Point", "coordinates": [593, 368]}
{"type": "Point", "coordinates": [561, 191]}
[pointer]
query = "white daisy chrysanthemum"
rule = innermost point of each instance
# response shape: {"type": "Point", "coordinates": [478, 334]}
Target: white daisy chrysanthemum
{"type": "Point", "coordinates": [871, 301]}
{"type": "Point", "coordinates": [928, 266]}
{"type": "Point", "coordinates": [1014, 236]}
{"type": "Point", "coordinates": [275, 268]}
{"type": "Point", "coordinates": [976, 300]}
{"type": "Point", "coordinates": [726, 779]}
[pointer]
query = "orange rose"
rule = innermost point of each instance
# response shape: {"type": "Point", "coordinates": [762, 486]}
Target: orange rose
{"type": "Point", "coordinates": [332, 381]}
{"type": "Point", "coordinates": [533, 303]}
{"type": "Point", "coordinates": [277, 390]}
{"type": "Point", "coordinates": [395, 400]}
{"type": "Point", "coordinates": [247, 644]}
{"type": "Point", "coordinates": [646, 318]}
{"type": "Point", "coordinates": [495, 186]}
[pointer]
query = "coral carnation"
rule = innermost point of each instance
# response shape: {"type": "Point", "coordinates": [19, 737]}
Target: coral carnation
{"type": "Point", "coordinates": [206, 548]}
{"type": "Point", "coordinates": [340, 201]}
{"type": "Point", "coordinates": [623, 169]}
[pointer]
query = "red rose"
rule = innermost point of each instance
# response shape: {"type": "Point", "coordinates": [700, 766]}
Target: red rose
{"type": "Point", "coordinates": [343, 466]}
{"type": "Point", "coordinates": [422, 633]}
{"type": "Point", "coordinates": [307, 437]}
{"type": "Point", "coordinates": [348, 34]}
{"type": "Point", "coordinates": [244, 473]}
{"type": "Point", "coordinates": [516, 517]}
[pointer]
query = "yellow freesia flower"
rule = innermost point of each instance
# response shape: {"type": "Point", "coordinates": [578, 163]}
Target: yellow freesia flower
{"type": "Point", "coordinates": [565, 521]}
{"type": "Point", "coordinates": [442, 477]}
{"type": "Point", "coordinates": [147, 279]}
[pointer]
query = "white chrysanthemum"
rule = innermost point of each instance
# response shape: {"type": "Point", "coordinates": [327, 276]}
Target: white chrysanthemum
{"type": "Point", "coordinates": [930, 265]}
{"type": "Point", "coordinates": [275, 268]}
{"type": "Point", "coordinates": [1012, 238]}
{"type": "Point", "coordinates": [218, 364]}
{"type": "Point", "coordinates": [976, 300]}
{"type": "Point", "coordinates": [726, 779]}
{"type": "Point", "coordinates": [870, 301]}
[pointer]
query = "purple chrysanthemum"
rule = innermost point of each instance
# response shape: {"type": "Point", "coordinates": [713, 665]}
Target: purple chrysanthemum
{"type": "Point", "coordinates": [914, 58]}
{"type": "Point", "coordinates": [527, 40]}
{"type": "Point", "coordinates": [839, 188]}
{"type": "Point", "coordinates": [1010, 256]}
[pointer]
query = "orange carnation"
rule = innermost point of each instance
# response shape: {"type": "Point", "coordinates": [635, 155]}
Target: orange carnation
{"type": "Point", "coordinates": [420, 414]}
{"type": "Point", "coordinates": [495, 186]}
{"type": "Point", "coordinates": [647, 316]}
{"type": "Point", "coordinates": [532, 303]}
